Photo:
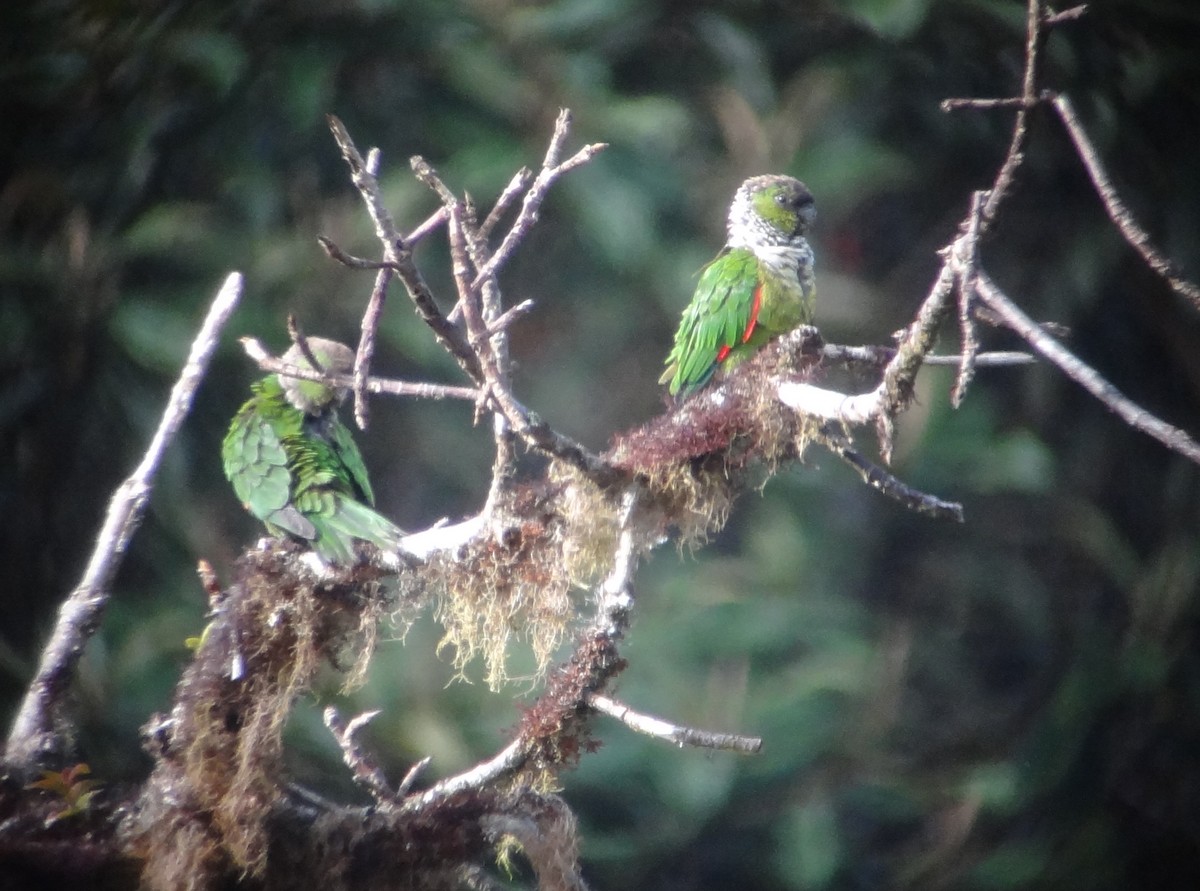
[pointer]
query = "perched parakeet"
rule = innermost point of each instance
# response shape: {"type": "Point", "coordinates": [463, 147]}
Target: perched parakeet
{"type": "Point", "coordinates": [759, 286]}
{"type": "Point", "coordinates": [295, 466]}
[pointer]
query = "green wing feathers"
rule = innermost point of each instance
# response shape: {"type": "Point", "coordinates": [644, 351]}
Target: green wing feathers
{"type": "Point", "coordinates": [303, 476]}
{"type": "Point", "coordinates": [716, 321]}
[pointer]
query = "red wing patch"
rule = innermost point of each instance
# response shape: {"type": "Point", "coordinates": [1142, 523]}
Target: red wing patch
{"type": "Point", "coordinates": [755, 307]}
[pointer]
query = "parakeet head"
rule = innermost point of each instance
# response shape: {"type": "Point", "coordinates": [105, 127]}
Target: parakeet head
{"type": "Point", "coordinates": [314, 397]}
{"type": "Point", "coordinates": [770, 211]}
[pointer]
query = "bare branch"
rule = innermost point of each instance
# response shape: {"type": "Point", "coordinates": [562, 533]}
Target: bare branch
{"type": "Point", "coordinates": [519, 181]}
{"type": "Point", "coordinates": [1014, 156]}
{"type": "Point", "coordinates": [1121, 216]}
{"type": "Point", "coordinates": [366, 773]}
{"type": "Point", "coordinates": [896, 388]}
{"type": "Point", "coordinates": [366, 345]}
{"type": "Point", "coordinates": [506, 319]}
{"type": "Point", "coordinates": [534, 431]}
{"type": "Point", "coordinates": [674, 733]}
{"type": "Point", "coordinates": [435, 219]}
{"type": "Point", "coordinates": [993, 359]}
{"type": "Point", "coordinates": [968, 102]}
{"type": "Point", "coordinates": [37, 731]}
{"type": "Point", "coordinates": [410, 778]}
{"type": "Point", "coordinates": [299, 339]}
{"type": "Point", "coordinates": [398, 253]}
{"type": "Point", "coordinates": [878, 356]}
{"type": "Point", "coordinates": [551, 170]}
{"type": "Point", "coordinates": [336, 253]}
{"type": "Point", "coordinates": [878, 478]}
{"type": "Point", "coordinates": [966, 321]}
{"type": "Point", "coordinates": [506, 761]}
{"type": "Point", "coordinates": [1133, 414]}
{"type": "Point", "coordinates": [256, 351]}
{"type": "Point", "coordinates": [1050, 19]}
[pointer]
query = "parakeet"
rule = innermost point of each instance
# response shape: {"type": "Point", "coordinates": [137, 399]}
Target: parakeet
{"type": "Point", "coordinates": [295, 466]}
{"type": "Point", "coordinates": [759, 286]}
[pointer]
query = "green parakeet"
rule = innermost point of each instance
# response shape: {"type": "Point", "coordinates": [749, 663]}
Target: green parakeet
{"type": "Point", "coordinates": [759, 286]}
{"type": "Point", "coordinates": [295, 466]}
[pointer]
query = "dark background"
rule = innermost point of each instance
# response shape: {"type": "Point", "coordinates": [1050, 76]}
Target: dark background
{"type": "Point", "coordinates": [1013, 703]}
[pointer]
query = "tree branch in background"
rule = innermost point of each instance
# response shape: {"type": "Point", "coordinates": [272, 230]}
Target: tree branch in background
{"type": "Point", "coordinates": [1116, 209]}
{"type": "Point", "coordinates": [1077, 370]}
{"type": "Point", "coordinates": [41, 733]}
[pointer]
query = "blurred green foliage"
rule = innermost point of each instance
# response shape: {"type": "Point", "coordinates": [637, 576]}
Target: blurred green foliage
{"type": "Point", "coordinates": [1014, 703]}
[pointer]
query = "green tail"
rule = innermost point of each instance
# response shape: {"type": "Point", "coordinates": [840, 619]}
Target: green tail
{"type": "Point", "coordinates": [339, 520]}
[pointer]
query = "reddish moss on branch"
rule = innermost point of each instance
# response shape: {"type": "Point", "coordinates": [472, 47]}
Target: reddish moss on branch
{"type": "Point", "coordinates": [694, 459]}
{"type": "Point", "coordinates": [218, 773]}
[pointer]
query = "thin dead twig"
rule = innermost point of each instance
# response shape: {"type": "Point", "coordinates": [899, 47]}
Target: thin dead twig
{"type": "Point", "coordinates": [37, 731]}
{"type": "Point", "coordinates": [1034, 34]}
{"type": "Point", "coordinates": [878, 478]}
{"type": "Point", "coordinates": [366, 345]}
{"type": "Point", "coordinates": [536, 433]}
{"type": "Point", "coordinates": [1083, 374]}
{"type": "Point", "coordinates": [422, 390]}
{"type": "Point", "coordinates": [362, 767]}
{"type": "Point", "coordinates": [551, 170]}
{"type": "Point", "coordinates": [676, 734]}
{"type": "Point", "coordinates": [879, 356]}
{"type": "Point", "coordinates": [399, 254]}
{"type": "Point", "coordinates": [1116, 209]}
{"type": "Point", "coordinates": [966, 321]}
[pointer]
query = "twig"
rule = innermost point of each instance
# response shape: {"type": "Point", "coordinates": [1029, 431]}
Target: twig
{"type": "Point", "coordinates": [297, 335]}
{"type": "Point", "coordinates": [503, 763]}
{"type": "Point", "coordinates": [979, 103]}
{"type": "Point", "coordinates": [993, 359]}
{"type": "Point", "coordinates": [1121, 216]}
{"type": "Point", "coordinates": [256, 351]}
{"type": "Point", "coordinates": [966, 292]}
{"type": "Point", "coordinates": [878, 356]}
{"type": "Point", "coordinates": [551, 170]}
{"type": "Point", "coordinates": [336, 253]}
{"type": "Point", "coordinates": [435, 219]}
{"type": "Point", "coordinates": [674, 733]}
{"type": "Point", "coordinates": [410, 778]}
{"type": "Point", "coordinates": [878, 478]}
{"type": "Point", "coordinates": [533, 430]}
{"type": "Point", "coordinates": [364, 770]}
{"type": "Point", "coordinates": [36, 732]}
{"type": "Point", "coordinates": [1050, 19]}
{"type": "Point", "coordinates": [519, 181]}
{"type": "Point", "coordinates": [1015, 155]}
{"type": "Point", "coordinates": [399, 254]}
{"type": "Point", "coordinates": [366, 346]}
{"type": "Point", "coordinates": [896, 387]}
{"type": "Point", "coordinates": [506, 319]}
{"type": "Point", "coordinates": [1087, 377]}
